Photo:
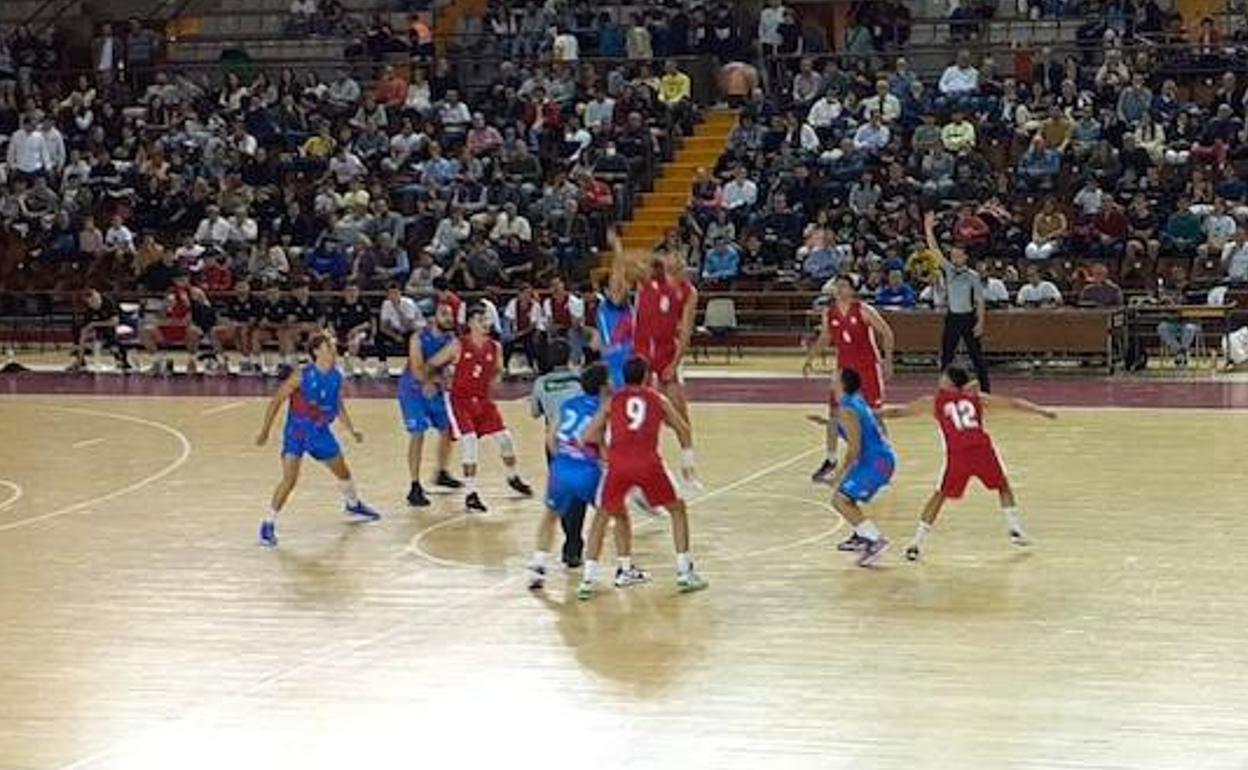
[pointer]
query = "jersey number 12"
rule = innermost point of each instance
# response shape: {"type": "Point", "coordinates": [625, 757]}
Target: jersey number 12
{"type": "Point", "coordinates": [962, 415]}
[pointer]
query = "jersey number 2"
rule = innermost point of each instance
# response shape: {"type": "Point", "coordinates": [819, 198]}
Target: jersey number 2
{"type": "Point", "coordinates": [635, 411]}
{"type": "Point", "coordinates": [962, 415]}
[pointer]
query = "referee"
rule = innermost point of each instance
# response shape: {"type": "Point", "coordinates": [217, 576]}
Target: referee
{"type": "Point", "coordinates": [964, 300]}
{"type": "Point", "coordinates": [549, 392]}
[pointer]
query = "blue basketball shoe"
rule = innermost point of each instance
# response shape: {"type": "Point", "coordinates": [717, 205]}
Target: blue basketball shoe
{"type": "Point", "coordinates": [361, 513]}
{"type": "Point", "coordinates": [268, 533]}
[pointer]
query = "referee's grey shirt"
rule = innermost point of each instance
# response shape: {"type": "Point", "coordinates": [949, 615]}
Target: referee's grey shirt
{"type": "Point", "coordinates": [551, 390]}
{"type": "Point", "coordinates": [963, 288]}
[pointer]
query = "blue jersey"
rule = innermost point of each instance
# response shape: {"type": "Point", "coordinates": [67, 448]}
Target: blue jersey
{"type": "Point", "coordinates": [315, 404]}
{"type": "Point", "coordinates": [876, 460]}
{"type": "Point", "coordinates": [615, 328]}
{"type": "Point", "coordinates": [874, 444]}
{"type": "Point", "coordinates": [574, 417]}
{"type": "Point", "coordinates": [313, 407]}
{"type": "Point", "coordinates": [431, 343]}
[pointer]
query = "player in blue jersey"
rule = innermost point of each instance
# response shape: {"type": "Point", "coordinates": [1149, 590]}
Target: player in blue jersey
{"type": "Point", "coordinates": [868, 467]}
{"type": "Point", "coordinates": [613, 331]}
{"type": "Point", "coordinates": [575, 473]}
{"type": "Point", "coordinates": [314, 395]}
{"type": "Point", "coordinates": [423, 403]}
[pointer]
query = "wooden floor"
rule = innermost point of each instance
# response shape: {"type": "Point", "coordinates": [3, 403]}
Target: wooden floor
{"type": "Point", "coordinates": [143, 628]}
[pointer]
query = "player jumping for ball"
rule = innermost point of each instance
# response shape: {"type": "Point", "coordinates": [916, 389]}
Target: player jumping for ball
{"type": "Point", "coordinates": [969, 452]}
{"type": "Point", "coordinates": [852, 329]}
{"type": "Point", "coordinates": [314, 393]}
{"type": "Point", "coordinates": [477, 358]}
{"type": "Point", "coordinates": [629, 428]}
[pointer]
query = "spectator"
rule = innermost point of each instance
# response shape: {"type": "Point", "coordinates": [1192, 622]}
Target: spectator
{"type": "Point", "coordinates": [873, 136]}
{"type": "Point", "coordinates": [722, 263]}
{"type": "Point", "coordinates": [398, 318]}
{"type": "Point", "coordinates": [1235, 257]}
{"type": "Point", "coordinates": [1048, 229]}
{"type": "Point", "coordinates": [1100, 291]}
{"type": "Point", "coordinates": [28, 153]}
{"type": "Point", "coordinates": [958, 135]}
{"type": "Point", "coordinates": [960, 80]}
{"type": "Point", "coordinates": [1038, 292]}
{"type": "Point", "coordinates": [896, 294]}
{"type": "Point", "coordinates": [522, 318]}
{"type": "Point", "coordinates": [1178, 337]}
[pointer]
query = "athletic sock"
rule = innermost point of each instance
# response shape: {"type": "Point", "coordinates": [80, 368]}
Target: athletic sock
{"type": "Point", "coordinates": [591, 572]}
{"type": "Point", "coordinates": [830, 456]}
{"type": "Point", "coordinates": [273, 515]}
{"type": "Point", "coordinates": [1013, 518]}
{"type": "Point", "coordinates": [348, 492]}
{"type": "Point", "coordinates": [470, 485]}
{"type": "Point", "coordinates": [684, 563]}
{"type": "Point", "coordinates": [921, 532]}
{"type": "Point", "coordinates": [626, 563]}
{"type": "Point", "coordinates": [540, 559]}
{"type": "Point", "coordinates": [868, 530]}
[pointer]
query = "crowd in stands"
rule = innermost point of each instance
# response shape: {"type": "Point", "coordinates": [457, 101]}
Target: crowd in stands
{"type": "Point", "coordinates": [1065, 177]}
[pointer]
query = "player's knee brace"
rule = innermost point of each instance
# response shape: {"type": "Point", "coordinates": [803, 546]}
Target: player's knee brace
{"type": "Point", "coordinates": [506, 447]}
{"type": "Point", "coordinates": [468, 448]}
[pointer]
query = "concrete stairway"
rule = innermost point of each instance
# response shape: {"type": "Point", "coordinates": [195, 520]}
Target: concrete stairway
{"type": "Point", "coordinates": [660, 210]}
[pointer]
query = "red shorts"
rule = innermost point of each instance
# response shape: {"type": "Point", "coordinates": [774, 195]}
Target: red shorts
{"type": "Point", "coordinates": [171, 334]}
{"type": "Point", "coordinates": [649, 475]}
{"type": "Point", "coordinates": [660, 357]}
{"type": "Point", "coordinates": [479, 416]}
{"type": "Point", "coordinates": [960, 467]}
{"type": "Point", "coordinates": [872, 382]}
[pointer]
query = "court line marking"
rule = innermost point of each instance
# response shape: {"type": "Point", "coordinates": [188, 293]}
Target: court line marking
{"type": "Point", "coordinates": [16, 494]}
{"type": "Point", "coordinates": [416, 547]}
{"type": "Point", "coordinates": [223, 408]}
{"type": "Point", "coordinates": [178, 462]}
{"type": "Point", "coordinates": [86, 443]}
{"type": "Point", "coordinates": [338, 650]}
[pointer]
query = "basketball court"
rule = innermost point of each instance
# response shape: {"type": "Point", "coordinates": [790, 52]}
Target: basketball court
{"type": "Point", "coordinates": [144, 628]}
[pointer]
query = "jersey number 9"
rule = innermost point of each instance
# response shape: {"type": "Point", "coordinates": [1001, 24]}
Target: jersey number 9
{"type": "Point", "coordinates": [635, 410]}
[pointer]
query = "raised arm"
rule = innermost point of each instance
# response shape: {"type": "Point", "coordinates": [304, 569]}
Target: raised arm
{"type": "Point", "coordinates": [916, 408]}
{"type": "Point", "coordinates": [929, 233]}
{"type": "Point", "coordinates": [1017, 405]}
{"type": "Point", "coordinates": [283, 394]}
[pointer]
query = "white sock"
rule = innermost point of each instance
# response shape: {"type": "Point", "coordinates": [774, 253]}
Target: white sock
{"type": "Point", "coordinates": [470, 485]}
{"type": "Point", "coordinates": [591, 572]}
{"type": "Point", "coordinates": [273, 515]}
{"type": "Point", "coordinates": [540, 559]}
{"type": "Point", "coordinates": [830, 456]}
{"type": "Point", "coordinates": [684, 563]}
{"type": "Point", "coordinates": [626, 563]}
{"type": "Point", "coordinates": [921, 532]}
{"type": "Point", "coordinates": [1013, 518]}
{"type": "Point", "coordinates": [868, 530]}
{"type": "Point", "coordinates": [348, 492]}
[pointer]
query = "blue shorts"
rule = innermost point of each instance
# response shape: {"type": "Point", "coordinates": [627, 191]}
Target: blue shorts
{"type": "Point", "coordinates": [572, 483]}
{"type": "Point", "coordinates": [867, 478]}
{"type": "Point", "coordinates": [422, 413]}
{"type": "Point", "coordinates": [315, 440]}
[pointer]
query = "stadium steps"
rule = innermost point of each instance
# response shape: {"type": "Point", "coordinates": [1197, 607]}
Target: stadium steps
{"type": "Point", "coordinates": [661, 209]}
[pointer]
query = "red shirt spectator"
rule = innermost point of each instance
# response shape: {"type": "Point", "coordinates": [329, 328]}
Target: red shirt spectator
{"type": "Point", "coordinates": [971, 230]}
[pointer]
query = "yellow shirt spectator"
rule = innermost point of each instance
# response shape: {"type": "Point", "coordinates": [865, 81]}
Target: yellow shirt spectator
{"type": "Point", "coordinates": [923, 264]}
{"type": "Point", "coordinates": [673, 87]}
{"type": "Point", "coordinates": [318, 146]}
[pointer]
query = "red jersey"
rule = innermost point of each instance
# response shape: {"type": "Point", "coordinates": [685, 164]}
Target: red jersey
{"type": "Point", "coordinates": [452, 300]}
{"type": "Point", "coordinates": [960, 414]}
{"type": "Point", "coordinates": [851, 334]}
{"type": "Point", "coordinates": [636, 418]}
{"type": "Point", "coordinates": [561, 311]}
{"type": "Point", "coordinates": [476, 368]}
{"type": "Point", "coordinates": [179, 304]}
{"type": "Point", "coordinates": [660, 308]}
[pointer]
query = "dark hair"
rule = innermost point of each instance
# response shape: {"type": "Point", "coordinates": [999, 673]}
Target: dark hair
{"type": "Point", "coordinates": [851, 381]}
{"type": "Point", "coordinates": [316, 341]}
{"type": "Point", "coordinates": [392, 285]}
{"type": "Point", "coordinates": [440, 284]}
{"type": "Point", "coordinates": [957, 375]}
{"type": "Point", "coordinates": [636, 369]}
{"type": "Point", "coordinates": [594, 378]}
{"type": "Point", "coordinates": [474, 310]}
{"type": "Point", "coordinates": [847, 278]}
{"type": "Point", "coordinates": [557, 354]}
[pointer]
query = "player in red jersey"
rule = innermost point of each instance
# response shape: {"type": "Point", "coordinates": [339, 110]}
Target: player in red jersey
{"type": "Point", "coordinates": [969, 453]}
{"type": "Point", "coordinates": [629, 429]}
{"type": "Point", "coordinates": [863, 341]}
{"type": "Point", "coordinates": [477, 359]}
{"type": "Point", "coordinates": [666, 304]}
